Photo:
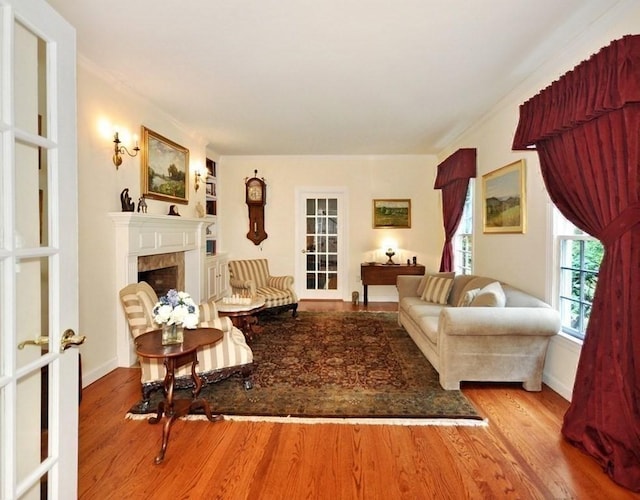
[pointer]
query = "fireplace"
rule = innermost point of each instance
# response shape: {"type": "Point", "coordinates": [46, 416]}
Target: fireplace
{"type": "Point", "coordinates": [147, 242]}
{"type": "Point", "coordinates": [162, 272]}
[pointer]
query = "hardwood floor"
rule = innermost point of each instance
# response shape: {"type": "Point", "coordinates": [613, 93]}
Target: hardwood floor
{"type": "Point", "coordinates": [521, 454]}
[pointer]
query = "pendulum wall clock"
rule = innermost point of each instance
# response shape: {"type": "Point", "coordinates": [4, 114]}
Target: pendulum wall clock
{"type": "Point", "coordinates": [256, 199]}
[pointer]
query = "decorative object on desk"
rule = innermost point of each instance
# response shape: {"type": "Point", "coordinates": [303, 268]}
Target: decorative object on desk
{"type": "Point", "coordinates": [391, 214]}
{"type": "Point", "coordinates": [175, 311]}
{"type": "Point", "coordinates": [173, 210]}
{"type": "Point", "coordinates": [165, 168]}
{"type": "Point", "coordinates": [415, 260]}
{"type": "Point", "coordinates": [390, 253]}
{"type": "Point", "coordinates": [125, 201]}
{"type": "Point", "coordinates": [142, 205]}
{"type": "Point", "coordinates": [503, 199]}
{"type": "Point", "coordinates": [256, 199]}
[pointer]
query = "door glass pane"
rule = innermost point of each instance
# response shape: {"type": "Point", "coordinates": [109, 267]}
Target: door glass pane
{"type": "Point", "coordinates": [30, 103]}
{"type": "Point", "coordinates": [30, 434]}
{"type": "Point", "coordinates": [32, 197]}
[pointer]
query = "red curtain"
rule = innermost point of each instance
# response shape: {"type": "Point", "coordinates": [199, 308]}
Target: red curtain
{"type": "Point", "coordinates": [453, 178]}
{"type": "Point", "coordinates": [586, 128]}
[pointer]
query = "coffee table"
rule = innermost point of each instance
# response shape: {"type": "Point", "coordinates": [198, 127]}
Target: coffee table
{"type": "Point", "coordinates": [242, 315]}
{"type": "Point", "coordinates": [149, 345]}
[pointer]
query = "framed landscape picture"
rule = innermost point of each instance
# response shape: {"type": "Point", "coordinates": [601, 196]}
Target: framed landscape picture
{"type": "Point", "coordinates": [165, 168]}
{"type": "Point", "coordinates": [391, 213]}
{"type": "Point", "coordinates": [503, 199]}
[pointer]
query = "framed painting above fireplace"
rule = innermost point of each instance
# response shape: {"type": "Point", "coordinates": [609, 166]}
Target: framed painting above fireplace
{"type": "Point", "coordinates": [165, 168]}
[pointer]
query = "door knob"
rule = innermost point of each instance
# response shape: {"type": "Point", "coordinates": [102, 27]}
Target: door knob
{"type": "Point", "coordinates": [69, 338]}
{"type": "Point", "coordinates": [39, 341]}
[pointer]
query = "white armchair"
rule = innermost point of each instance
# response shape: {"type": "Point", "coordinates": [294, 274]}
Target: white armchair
{"type": "Point", "coordinates": [251, 278]}
{"type": "Point", "coordinates": [216, 362]}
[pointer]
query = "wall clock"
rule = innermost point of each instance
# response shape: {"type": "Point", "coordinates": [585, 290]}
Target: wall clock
{"type": "Point", "coordinates": [256, 199]}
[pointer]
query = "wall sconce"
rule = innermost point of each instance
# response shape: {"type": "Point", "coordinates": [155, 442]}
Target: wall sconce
{"type": "Point", "coordinates": [198, 179]}
{"type": "Point", "coordinates": [119, 150]}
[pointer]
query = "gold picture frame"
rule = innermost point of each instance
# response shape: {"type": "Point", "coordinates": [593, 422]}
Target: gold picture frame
{"type": "Point", "coordinates": [165, 168]}
{"type": "Point", "coordinates": [394, 213]}
{"type": "Point", "coordinates": [504, 199]}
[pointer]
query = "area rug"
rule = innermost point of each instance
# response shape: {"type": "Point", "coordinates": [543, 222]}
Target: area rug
{"type": "Point", "coordinates": [335, 366]}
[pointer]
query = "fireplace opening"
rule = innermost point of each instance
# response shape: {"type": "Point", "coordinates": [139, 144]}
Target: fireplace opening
{"type": "Point", "coordinates": [162, 272]}
{"type": "Point", "coordinates": [161, 280]}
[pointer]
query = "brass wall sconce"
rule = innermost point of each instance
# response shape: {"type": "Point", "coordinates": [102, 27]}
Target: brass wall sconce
{"type": "Point", "coordinates": [119, 150]}
{"type": "Point", "coordinates": [198, 179]}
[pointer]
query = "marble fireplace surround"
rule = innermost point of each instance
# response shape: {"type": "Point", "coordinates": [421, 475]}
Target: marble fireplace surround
{"type": "Point", "coordinates": [138, 235]}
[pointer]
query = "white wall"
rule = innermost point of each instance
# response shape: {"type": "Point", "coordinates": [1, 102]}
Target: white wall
{"type": "Point", "coordinates": [100, 184]}
{"type": "Point", "coordinates": [364, 177]}
{"type": "Point", "coordinates": [525, 260]}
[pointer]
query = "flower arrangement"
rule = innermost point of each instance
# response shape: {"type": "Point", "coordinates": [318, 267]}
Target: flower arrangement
{"type": "Point", "coordinates": [176, 308]}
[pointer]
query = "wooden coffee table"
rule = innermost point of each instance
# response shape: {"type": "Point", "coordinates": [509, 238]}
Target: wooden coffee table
{"type": "Point", "coordinates": [242, 315]}
{"type": "Point", "coordinates": [149, 345]}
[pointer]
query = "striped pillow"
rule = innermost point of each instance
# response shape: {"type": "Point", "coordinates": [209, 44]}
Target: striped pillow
{"type": "Point", "coordinates": [437, 290]}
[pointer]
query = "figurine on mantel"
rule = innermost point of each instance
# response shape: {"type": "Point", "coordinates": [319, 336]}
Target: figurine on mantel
{"type": "Point", "coordinates": [125, 201]}
{"type": "Point", "coordinates": [173, 210]}
{"type": "Point", "coordinates": [142, 205]}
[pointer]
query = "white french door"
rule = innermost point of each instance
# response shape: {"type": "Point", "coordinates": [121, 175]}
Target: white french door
{"type": "Point", "coordinates": [38, 253]}
{"type": "Point", "coordinates": [320, 229]}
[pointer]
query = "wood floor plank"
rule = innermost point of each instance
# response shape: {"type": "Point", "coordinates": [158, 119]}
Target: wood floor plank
{"type": "Point", "coordinates": [521, 454]}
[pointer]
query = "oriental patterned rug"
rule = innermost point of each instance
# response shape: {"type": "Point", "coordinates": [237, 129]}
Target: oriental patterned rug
{"type": "Point", "coordinates": [350, 367]}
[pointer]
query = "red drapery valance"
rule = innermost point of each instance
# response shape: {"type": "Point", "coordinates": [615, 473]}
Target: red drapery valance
{"type": "Point", "coordinates": [453, 178]}
{"type": "Point", "coordinates": [606, 81]}
{"type": "Point", "coordinates": [586, 129]}
{"type": "Point", "coordinates": [460, 165]}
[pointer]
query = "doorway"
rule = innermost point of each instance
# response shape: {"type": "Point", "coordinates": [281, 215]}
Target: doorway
{"type": "Point", "coordinates": [321, 245]}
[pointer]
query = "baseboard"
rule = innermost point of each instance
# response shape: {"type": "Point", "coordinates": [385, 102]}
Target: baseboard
{"type": "Point", "coordinates": [90, 376]}
{"type": "Point", "coordinates": [555, 384]}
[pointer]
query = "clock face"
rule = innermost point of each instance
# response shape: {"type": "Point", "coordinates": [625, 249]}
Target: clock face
{"type": "Point", "coordinates": [255, 192]}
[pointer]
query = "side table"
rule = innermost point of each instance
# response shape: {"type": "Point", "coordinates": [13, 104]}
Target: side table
{"type": "Point", "coordinates": [149, 345]}
{"type": "Point", "coordinates": [242, 315]}
{"type": "Point", "coordinates": [385, 274]}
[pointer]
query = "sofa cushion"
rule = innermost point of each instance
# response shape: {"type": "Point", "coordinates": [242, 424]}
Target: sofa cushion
{"type": "Point", "coordinates": [491, 295]}
{"type": "Point", "coordinates": [423, 281]}
{"type": "Point", "coordinates": [437, 289]}
{"type": "Point", "coordinates": [467, 297]}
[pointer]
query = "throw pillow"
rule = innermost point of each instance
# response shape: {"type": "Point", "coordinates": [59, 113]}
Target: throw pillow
{"type": "Point", "coordinates": [423, 281]}
{"type": "Point", "coordinates": [491, 295]}
{"type": "Point", "coordinates": [437, 289]}
{"type": "Point", "coordinates": [467, 298]}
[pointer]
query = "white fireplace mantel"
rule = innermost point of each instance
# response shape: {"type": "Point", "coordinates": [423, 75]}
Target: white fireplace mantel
{"type": "Point", "coordinates": [138, 235]}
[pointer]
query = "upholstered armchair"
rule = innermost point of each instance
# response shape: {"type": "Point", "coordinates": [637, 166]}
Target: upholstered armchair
{"type": "Point", "coordinates": [228, 357]}
{"type": "Point", "coordinates": [251, 278]}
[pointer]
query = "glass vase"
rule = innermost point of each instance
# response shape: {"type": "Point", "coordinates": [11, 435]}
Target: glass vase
{"type": "Point", "coordinates": [172, 334]}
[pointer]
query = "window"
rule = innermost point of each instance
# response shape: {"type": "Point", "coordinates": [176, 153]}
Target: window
{"type": "Point", "coordinates": [579, 261]}
{"type": "Point", "coordinates": [463, 240]}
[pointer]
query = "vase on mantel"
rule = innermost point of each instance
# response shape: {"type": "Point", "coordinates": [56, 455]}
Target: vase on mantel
{"type": "Point", "coordinates": [172, 334]}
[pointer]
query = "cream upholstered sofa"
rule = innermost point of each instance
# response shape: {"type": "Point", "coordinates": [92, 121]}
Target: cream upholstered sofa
{"type": "Point", "coordinates": [478, 329]}
{"type": "Point", "coordinates": [251, 278]}
{"type": "Point", "coordinates": [228, 357]}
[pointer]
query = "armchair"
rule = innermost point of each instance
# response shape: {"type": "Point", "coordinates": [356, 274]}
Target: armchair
{"type": "Point", "coordinates": [216, 362]}
{"type": "Point", "coordinates": [252, 278]}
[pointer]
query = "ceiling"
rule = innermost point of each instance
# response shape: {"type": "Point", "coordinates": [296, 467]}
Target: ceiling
{"type": "Point", "coordinates": [339, 77]}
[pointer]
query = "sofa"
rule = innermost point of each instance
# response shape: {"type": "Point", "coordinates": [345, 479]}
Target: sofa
{"type": "Point", "coordinates": [474, 328]}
